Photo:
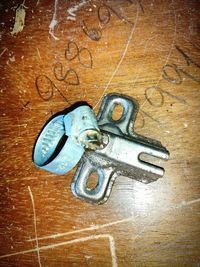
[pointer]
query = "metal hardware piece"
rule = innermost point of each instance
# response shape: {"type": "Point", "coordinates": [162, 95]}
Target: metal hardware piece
{"type": "Point", "coordinates": [63, 140]}
{"type": "Point", "coordinates": [106, 146]}
{"type": "Point", "coordinates": [119, 154]}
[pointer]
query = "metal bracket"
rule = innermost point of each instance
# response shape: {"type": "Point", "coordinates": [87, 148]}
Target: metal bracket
{"type": "Point", "coordinates": [120, 155]}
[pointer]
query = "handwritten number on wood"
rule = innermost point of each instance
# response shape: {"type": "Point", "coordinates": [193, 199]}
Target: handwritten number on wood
{"type": "Point", "coordinates": [103, 14]}
{"type": "Point", "coordinates": [45, 87]}
{"type": "Point", "coordinates": [186, 57]}
{"type": "Point", "coordinates": [71, 51]}
{"type": "Point", "coordinates": [189, 75]}
{"type": "Point", "coordinates": [175, 78]}
{"type": "Point", "coordinates": [177, 71]}
{"type": "Point", "coordinates": [72, 77]}
{"type": "Point", "coordinates": [141, 119]}
{"type": "Point", "coordinates": [83, 54]}
{"type": "Point", "coordinates": [148, 116]}
{"type": "Point", "coordinates": [149, 93]}
{"type": "Point", "coordinates": [69, 77]}
{"type": "Point", "coordinates": [58, 72]}
{"type": "Point", "coordinates": [142, 115]}
{"type": "Point", "coordinates": [189, 61]}
{"type": "Point", "coordinates": [149, 96]}
{"type": "Point", "coordinates": [62, 95]}
{"type": "Point", "coordinates": [93, 33]}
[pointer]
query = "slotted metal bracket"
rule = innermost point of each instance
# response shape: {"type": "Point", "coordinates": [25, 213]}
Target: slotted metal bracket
{"type": "Point", "coordinates": [120, 155]}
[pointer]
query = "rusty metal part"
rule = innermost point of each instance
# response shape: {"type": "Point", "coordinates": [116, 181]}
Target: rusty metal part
{"type": "Point", "coordinates": [119, 153]}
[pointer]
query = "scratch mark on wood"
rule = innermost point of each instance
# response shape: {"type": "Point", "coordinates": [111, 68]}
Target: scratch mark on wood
{"type": "Point", "coordinates": [188, 203]}
{"type": "Point", "coordinates": [54, 21]}
{"type": "Point", "coordinates": [111, 239]}
{"type": "Point", "coordinates": [121, 59]}
{"type": "Point", "coordinates": [4, 50]}
{"type": "Point", "coordinates": [101, 226]}
{"type": "Point", "coordinates": [112, 250]}
{"type": "Point", "coordinates": [35, 226]}
{"type": "Point", "coordinates": [26, 105]}
{"type": "Point", "coordinates": [95, 227]}
{"type": "Point", "coordinates": [38, 52]}
{"type": "Point", "coordinates": [74, 241]}
{"type": "Point", "coordinates": [142, 65]}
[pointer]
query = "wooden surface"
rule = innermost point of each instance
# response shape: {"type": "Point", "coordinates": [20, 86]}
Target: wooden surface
{"type": "Point", "coordinates": [148, 50]}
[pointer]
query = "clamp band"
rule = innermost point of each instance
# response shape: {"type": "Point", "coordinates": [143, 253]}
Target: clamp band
{"type": "Point", "coordinates": [59, 148]}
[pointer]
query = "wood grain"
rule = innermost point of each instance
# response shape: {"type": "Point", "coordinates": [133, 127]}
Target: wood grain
{"type": "Point", "coordinates": [148, 50]}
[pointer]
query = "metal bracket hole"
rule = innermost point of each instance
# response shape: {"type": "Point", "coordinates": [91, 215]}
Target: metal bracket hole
{"type": "Point", "coordinates": [92, 181]}
{"type": "Point", "coordinates": [117, 112]}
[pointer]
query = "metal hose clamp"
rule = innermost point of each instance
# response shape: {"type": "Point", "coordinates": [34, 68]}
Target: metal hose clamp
{"type": "Point", "coordinates": [61, 143]}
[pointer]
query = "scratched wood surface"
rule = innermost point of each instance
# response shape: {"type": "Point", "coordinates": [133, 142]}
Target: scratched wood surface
{"type": "Point", "coordinates": [71, 51]}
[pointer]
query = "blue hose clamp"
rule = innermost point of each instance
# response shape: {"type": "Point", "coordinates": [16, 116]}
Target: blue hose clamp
{"type": "Point", "coordinates": [63, 140]}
